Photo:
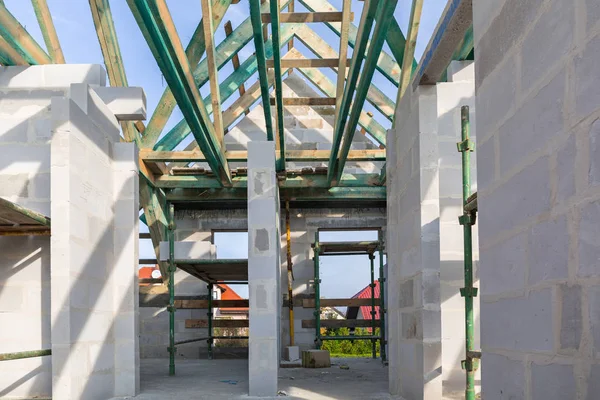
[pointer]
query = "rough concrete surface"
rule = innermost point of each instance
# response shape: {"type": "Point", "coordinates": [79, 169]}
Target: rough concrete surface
{"type": "Point", "coordinates": [366, 379]}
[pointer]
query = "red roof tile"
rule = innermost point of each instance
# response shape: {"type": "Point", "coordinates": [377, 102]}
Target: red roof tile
{"type": "Point", "coordinates": [366, 294]}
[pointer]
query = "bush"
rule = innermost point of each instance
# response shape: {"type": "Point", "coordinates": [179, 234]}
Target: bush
{"type": "Point", "coordinates": [349, 347]}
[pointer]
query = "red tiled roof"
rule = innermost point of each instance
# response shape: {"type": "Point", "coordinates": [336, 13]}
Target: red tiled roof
{"type": "Point", "coordinates": [227, 293]}
{"type": "Point", "coordinates": [366, 294]}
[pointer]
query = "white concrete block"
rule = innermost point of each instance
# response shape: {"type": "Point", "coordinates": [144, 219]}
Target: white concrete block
{"type": "Point", "coordinates": [187, 250]}
{"type": "Point", "coordinates": [461, 71]}
{"type": "Point", "coordinates": [126, 103]}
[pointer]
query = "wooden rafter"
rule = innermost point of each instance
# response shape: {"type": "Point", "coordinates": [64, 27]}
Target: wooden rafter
{"type": "Point", "coordinates": [20, 40]}
{"type": "Point", "coordinates": [342, 54]}
{"type": "Point", "coordinates": [235, 60]}
{"type": "Point", "coordinates": [109, 44]}
{"type": "Point", "coordinates": [194, 51]}
{"type": "Point", "coordinates": [322, 49]}
{"type": "Point", "coordinates": [364, 29]}
{"type": "Point", "coordinates": [215, 95]}
{"type": "Point", "coordinates": [310, 63]}
{"type": "Point", "coordinates": [385, 13]}
{"type": "Point", "coordinates": [42, 12]}
{"type": "Point", "coordinates": [409, 49]}
{"type": "Point", "coordinates": [154, 18]}
{"type": "Point", "coordinates": [10, 56]}
{"type": "Point", "coordinates": [277, 65]}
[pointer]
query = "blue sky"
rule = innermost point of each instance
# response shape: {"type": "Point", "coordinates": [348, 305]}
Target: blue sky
{"type": "Point", "coordinates": [77, 36]}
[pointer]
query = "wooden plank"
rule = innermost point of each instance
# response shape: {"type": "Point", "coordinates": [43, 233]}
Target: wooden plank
{"type": "Point", "coordinates": [341, 323]}
{"type": "Point", "coordinates": [150, 156]}
{"type": "Point", "coordinates": [155, 208]}
{"type": "Point", "coordinates": [42, 12]}
{"type": "Point", "coordinates": [217, 323]}
{"type": "Point", "coordinates": [306, 101]}
{"type": "Point", "coordinates": [409, 49]}
{"type": "Point", "coordinates": [310, 303]}
{"type": "Point", "coordinates": [213, 75]}
{"type": "Point", "coordinates": [307, 17]}
{"type": "Point", "coordinates": [20, 40]}
{"type": "Point", "coordinates": [321, 48]}
{"type": "Point", "coordinates": [386, 64]}
{"type": "Point", "coordinates": [194, 51]}
{"type": "Point", "coordinates": [235, 60]}
{"type": "Point", "coordinates": [203, 304]}
{"type": "Point", "coordinates": [309, 63]}
{"type": "Point", "coordinates": [343, 55]}
{"type": "Point", "coordinates": [10, 56]}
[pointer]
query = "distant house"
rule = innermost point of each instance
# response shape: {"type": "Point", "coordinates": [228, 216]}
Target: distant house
{"type": "Point", "coordinates": [364, 312]}
{"type": "Point", "coordinates": [331, 313]}
{"type": "Point", "coordinates": [149, 273]}
{"type": "Point", "coordinates": [225, 292]}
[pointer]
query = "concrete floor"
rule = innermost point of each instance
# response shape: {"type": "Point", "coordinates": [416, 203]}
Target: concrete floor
{"type": "Point", "coordinates": [366, 379]}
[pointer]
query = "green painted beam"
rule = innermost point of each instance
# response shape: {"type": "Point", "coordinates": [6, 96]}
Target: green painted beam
{"type": "Point", "coordinates": [194, 51]}
{"type": "Point", "coordinates": [337, 195]}
{"type": "Point", "coordinates": [466, 47]}
{"type": "Point", "coordinates": [20, 40]}
{"type": "Point", "coordinates": [276, 42]}
{"type": "Point", "coordinates": [323, 83]}
{"type": "Point", "coordinates": [409, 50]}
{"type": "Point", "coordinates": [322, 49]}
{"type": "Point", "coordinates": [241, 182]}
{"type": "Point", "coordinates": [386, 63]}
{"type": "Point", "coordinates": [154, 16]}
{"type": "Point", "coordinates": [228, 87]}
{"type": "Point", "coordinates": [385, 13]}
{"type": "Point", "coordinates": [397, 42]}
{"type": "Point", "coordinates": [364, 29]}
{"type": "Point", "coordinates": [9, 56]}
{"type": "Point", "coordinates": [259, 44]}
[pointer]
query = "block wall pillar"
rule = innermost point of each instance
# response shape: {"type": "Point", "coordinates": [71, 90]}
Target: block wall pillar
{"type": "Point", "coordinates": [263, 269]}
{"type": "Point", "coordinates": [538, 101]}
{"type": "Point", "coordinates": [413, 245]}
{"type": "Point", "coordinates": [94, 243]}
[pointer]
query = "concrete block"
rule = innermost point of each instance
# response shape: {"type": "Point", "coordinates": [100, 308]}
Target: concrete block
{"type": "Point", "coordinates": [549, 251]}
{"type": "Point", "coordinates": [503, 378]}
{"type": "Point", "coordinates": [589, 240]}
{"type": "Point", "coordinates": [539, 120]}
{"type": "Point", "coordinates": [461, 71]}
{"type": "Point", "coordinates": [11, 299]}
{"type": "Point", "coordinates": [594, 316]}
{"type": "Point", "coordinates": [504, 266]}
{"type": "Point", "coordinates": [316, 359]}
{"type": "Point", "coordinates": [291, 353]}
{"type": "Point", "coordinates": [587, 100]}
{"type": "Point", "coordinates": [554, 381]}
{"type": "Point", "coordinates": [126, 103]}
{"type": "Point", "coordinates": [520, 323]}
{"type": "Point", "coordinates": [513, 202]}
{"type": "Point", "coordinates": [565, 168]}
{"type": "Point", "coordinates": [593, 383]}
{"type": "Point", "coordinates": [571, 323]}
{"type": "Point", "coordinates": [14, 185]}
{"type": "Point", "coordinates": [594, 148]}
{"type": "Point", "coordinates": [187, 250]}
{"type": "Point", "coordinates": [551, 35]}
{"type": "Point", "coordinates": [93, 106]}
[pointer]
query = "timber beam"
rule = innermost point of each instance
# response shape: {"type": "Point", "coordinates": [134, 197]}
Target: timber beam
{"type": "Point", "coordinates": [156, 24]}
{"type": "Point", "coordinates": [309, 63]}
{"type": "Point", "coordinates": [307, 17]}
{"type": "Point", "coordinates": [306, 101]}
{"type": "Point", "coordinates": [42, 12]}
{"type": "Point", "coordinates": [277, 65]}
{"type": "Point", "coordinates": [20, 40]}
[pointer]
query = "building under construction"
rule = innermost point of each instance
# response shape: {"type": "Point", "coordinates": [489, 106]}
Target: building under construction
{"type": "Point", "coordinates": [469, 166]}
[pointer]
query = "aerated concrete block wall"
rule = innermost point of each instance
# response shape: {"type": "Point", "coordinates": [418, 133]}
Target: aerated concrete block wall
{"type": "Point", "coordinates": [413, 245]}
{"type": "Point", "coordinates": [94, 251]}
{"type": "Point", "coordinates": [538, 96]}
{"type": "Point", "coordinates": [25, 134]}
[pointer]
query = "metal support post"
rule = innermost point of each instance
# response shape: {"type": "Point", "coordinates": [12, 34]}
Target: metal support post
{"type": "Point", "coordinates": [317, 294]}
{"type": "Point", "coordinates": [171, 307]}
{"type": "Point", "coordinates": [467, 220]}
{"type": "Point", "coordinates": [290, 271]}
{"type": "Point", "coordinates": [25, 354]}
{"type": "Point", "coordinates": [210, 321]}
{"type": "Point", "coordinates": [373, 323]}
{"type": "Point", "coordinates": [382, 309]}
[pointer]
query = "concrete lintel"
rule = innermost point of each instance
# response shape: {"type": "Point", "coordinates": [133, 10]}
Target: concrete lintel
{"type": "Point", "coordinates": [126, 103]}
{"type": "Point", "coordinates": [450, 31]}
{"type": "Point", "coordinates": [51, 76]}
{"type": "Point", "coordinates": [188, 250]}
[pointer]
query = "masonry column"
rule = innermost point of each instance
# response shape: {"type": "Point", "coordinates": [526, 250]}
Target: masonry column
{"type": "Point", "coordinates": [413, 245]}
{"type": "Point", "coordinates": [263, 268]}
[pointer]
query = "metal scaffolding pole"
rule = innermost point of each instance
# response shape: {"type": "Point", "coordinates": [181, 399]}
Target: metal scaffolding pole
{"type": "Point", "coordinates": [372, 285]}
{"type": "Point", "coordinates": [382, 310]}
{"type": "Point", "coordinates": [210, 321]}
{"type": "Point", "coordinates": [25, 354]}
{"type": "Point", "coordinates": [290, 272]}
{"type": "Point", "coordinates": [317, 294]}
{"type": "Point", "coordinates": [467, 220]}
{"type": "Point", "coordinates": [171, 307]}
